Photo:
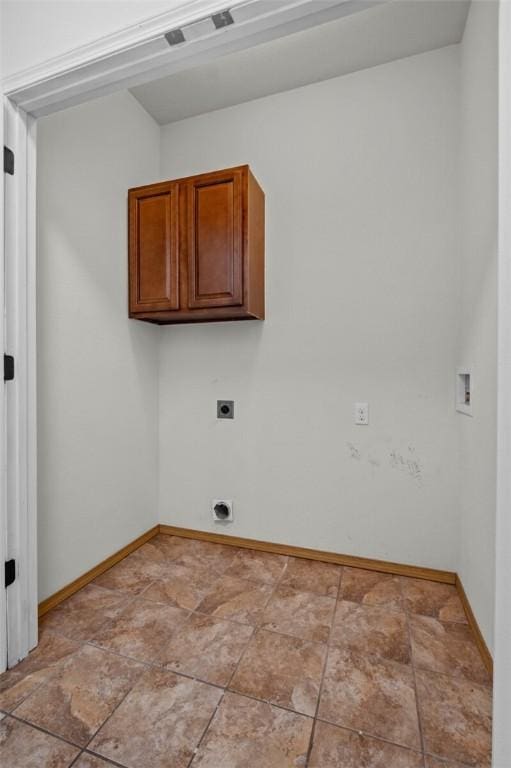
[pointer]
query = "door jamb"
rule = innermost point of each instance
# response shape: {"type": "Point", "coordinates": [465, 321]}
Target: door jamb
{"type": "Point", "coordinates": [502, 679]}
{"type": "Point", "coordinates": [3, 491]}
{"type": "Point", "coordinates": [20, 393]}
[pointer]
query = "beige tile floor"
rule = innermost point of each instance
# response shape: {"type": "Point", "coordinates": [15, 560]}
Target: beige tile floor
{"type": "Point", "coordinates": [195, 654]}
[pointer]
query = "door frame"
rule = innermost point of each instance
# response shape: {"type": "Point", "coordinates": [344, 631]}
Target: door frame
{"type": "Point", "coordinates": [502, 652]}
{"type": "Point", "coordinates": [129, 57]}
{"type": "Point", "coordinates": [3, 463]}
{"type": "Point", "coordinates": [19, 521]}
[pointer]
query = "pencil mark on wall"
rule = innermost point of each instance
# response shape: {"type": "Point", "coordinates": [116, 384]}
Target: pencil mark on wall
{"type": "Point", "coordinates": [409, 464]}
{"type": "Point", "coordinates": [354, 452]}
{"type": "Point", "coordinates": [405, 461]}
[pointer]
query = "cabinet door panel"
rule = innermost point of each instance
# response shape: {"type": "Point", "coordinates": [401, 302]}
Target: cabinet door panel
{"type": "Point", "coordinates": [154, 261]}
{"type": "Point", "coordinates": [215, 241]}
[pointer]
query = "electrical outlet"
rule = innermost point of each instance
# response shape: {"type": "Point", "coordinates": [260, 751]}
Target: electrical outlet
{"type": "Point", "coordinates": [225, 409]}
{"type": "Point", "coordinates": [362, 413]}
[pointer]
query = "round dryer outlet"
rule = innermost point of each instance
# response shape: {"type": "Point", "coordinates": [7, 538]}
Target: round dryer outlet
{"type": "Point", "coordinates": [221, 510]}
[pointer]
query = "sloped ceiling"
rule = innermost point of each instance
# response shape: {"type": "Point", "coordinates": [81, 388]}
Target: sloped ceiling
{"type": "Point", "coordinates": [383, 33]}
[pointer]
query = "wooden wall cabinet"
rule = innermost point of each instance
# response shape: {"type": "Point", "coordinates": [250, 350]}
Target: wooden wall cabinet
{"type": "Point", "coordinates": [196, 249]}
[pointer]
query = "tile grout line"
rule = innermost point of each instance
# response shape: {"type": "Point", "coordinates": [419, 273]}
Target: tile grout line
{"type": "Point", "coordinates": [75, 760]}
{"type": "Point", "coordinates": [131, 599]}
{"type": "Point", "coordinates": [114, 710]}
{"type": "Point", "coordinates": [315, 718]}
{"type": "Point", "coordinates": [257, 627]}
{"type": "Point", "coordinates": [323, 673]}
{"type": "Point", "coordinates": [46, 731]}
{"type": "Point", "coordinates": [155, 665]}
{"type": "Point", "coordinates": [191, 677]}
{"type": "Point", "coordinates": [226, 688]}
{"type": "Point", "coordinates": [102, 626]}
{"type": "Point", "coordinates": [372, 737]}
{"type": "Point", "coordinates": [206, 729]}
{"type": "Point", "coordinates": [412, 665]}
{"type": "Point", "coordinates": [37, 688]}
{"type": "Point", "coordinates": [200, 614]}
{"type": "Point", "coordinates": [58, 738]}
{"type": "Point", "coordinates": [74, 744]}
{"type": "Point", "coordinates": [52, 673]}
{"type": "Point", "coordinates": [456, 678]}
{"type": "Point", "coordinates": [147, 666]}
{"type": "Point", "coordinates": [107, 760]}
{"type": "Point", "coordinates": [402, 611]}
{"type": "Point", "coordinates": [89, 750]}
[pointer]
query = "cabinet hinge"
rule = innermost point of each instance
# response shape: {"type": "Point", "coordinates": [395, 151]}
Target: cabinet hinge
{"type": "Point", "coordinates": [8, 367]}
{"type": "Point", "coordinates": [8, 161]}
{"type": "Point", "coordinates": [10, 572]}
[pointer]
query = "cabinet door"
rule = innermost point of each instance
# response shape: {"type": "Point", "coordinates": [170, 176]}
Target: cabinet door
{"type": "Point", "coordinates": [215, 240]}
{"type": "Point", "coordinates": [154, 240]}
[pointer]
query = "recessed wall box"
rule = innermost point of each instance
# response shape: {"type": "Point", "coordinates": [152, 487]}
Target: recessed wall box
{"type": "Point", "coordinates": [464, 391]}
{"type": "Point", "coordinates": [225, 409]}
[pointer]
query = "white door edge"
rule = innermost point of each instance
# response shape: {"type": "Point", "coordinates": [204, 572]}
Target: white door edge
{"type": "Point", "coordinates": [20, 420]}
{"type": "Point", "coordinates": [502, 676]}
{"type": "Point", "coordinates": [3, 491]}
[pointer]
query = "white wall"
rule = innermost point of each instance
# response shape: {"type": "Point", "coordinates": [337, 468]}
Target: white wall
{"type": "Point", "coordinates": [34, 31]}
{"type": "Point", "coordinates": [478, 327]}
{"type": "Point", "coordinates": [97, 371]}
{"type": "Point", "coordinates": [360, 175]}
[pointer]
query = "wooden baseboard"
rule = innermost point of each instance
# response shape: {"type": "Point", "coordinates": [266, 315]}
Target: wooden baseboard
{"type": "Point", "coordinates": [474, 626]}
{"type": "Point", "coordinates": [416, 572]}
{"type": "Point", "coordinates": [81, 581]}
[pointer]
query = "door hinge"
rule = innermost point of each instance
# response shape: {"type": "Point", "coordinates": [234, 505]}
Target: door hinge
{"type": "Point", "coordinates": [8, 367]}
{"type": "Point", "coordinates": [8, 161]}
{"type": "Point", "coordinates": [10, 572]}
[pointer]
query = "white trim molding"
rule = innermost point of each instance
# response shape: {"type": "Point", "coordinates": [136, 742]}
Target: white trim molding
{"type": "Point", "coordinates": [502, 679]}
{"type": "Point", "coordinates": [141, 53]}
{"type": "Point", "coordinates": [3, 479]}
{"type": "Point", "coordinates": [21, 441]}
